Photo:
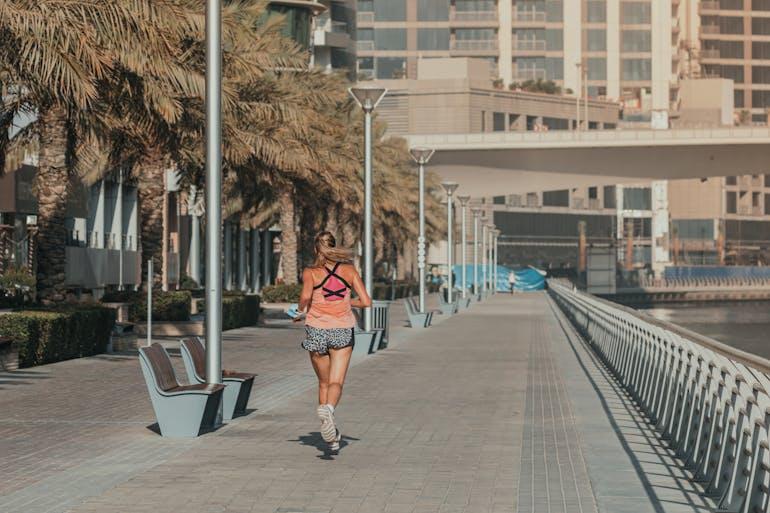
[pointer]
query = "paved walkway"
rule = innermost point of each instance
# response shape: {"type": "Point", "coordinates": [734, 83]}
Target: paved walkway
{"type": "Point", "coordinates": [498, 409]}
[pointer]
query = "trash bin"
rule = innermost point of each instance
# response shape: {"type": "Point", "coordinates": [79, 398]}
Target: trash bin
{"type": "Point", "coordinates": [381, 319]}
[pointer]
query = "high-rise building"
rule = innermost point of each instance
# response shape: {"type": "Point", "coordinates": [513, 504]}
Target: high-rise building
{"type": "Point", "coordinates": [618, 49]}
{"type": "Point", "coordinates": [334, 44]}
{"type": "Point", "coordinates": [734, 42]}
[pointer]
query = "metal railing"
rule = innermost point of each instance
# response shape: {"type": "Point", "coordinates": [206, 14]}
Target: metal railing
{"type": "Point", "coordinates": [474, 45]}
{"type": "Point", "coordinates": [528, 16]}
{"type": "Point", "coordinates": [704, 283]}
{"type": "Point", "coordinates": [521, 75]}
{"type": "Point", "coordinates": [365, 46]}
{"type": "Point", "coordinates": [474, 15]}
{"type": "Point", "coordinates": [528, 45]}
{"type": "Point", "coordinates": [708, 401]}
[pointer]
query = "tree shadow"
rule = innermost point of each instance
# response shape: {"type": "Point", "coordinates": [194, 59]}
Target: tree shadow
{"type": "Point", "coordinates": [314, 439]}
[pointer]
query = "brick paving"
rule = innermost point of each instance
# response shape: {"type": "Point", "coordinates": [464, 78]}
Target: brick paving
{"type": "Point", "coordinates": [478, 414]}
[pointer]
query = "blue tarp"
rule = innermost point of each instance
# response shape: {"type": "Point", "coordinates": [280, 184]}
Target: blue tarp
{"type": "Point", "coordinates": [527, 278]}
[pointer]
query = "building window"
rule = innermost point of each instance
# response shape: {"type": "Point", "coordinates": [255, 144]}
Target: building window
{"type": "Point", "coordinates": [391, 67]}
{"type": "Point", "coordinates": [731, 180]}
{"type": "Point", "coordinates": [593, 193]}
{"type": "Point", "coordinates": [637, 198]}
{"type": "Point", "coordinates": [637, 69]}
{"type": "Point", "coordinates": [760, 5]}
{"type": "Point", "coordinates": [767, 204]}
{"type": "Point", "coordinates": [498, 122]}
{"type": "Point", "coordinates": [597, 68]}
{"type": "Point", "coordinates": [554, 40]}
{"type": "Point", "coordinates": [760, 74]}
{"type": "Point", "coordinates": [731, 5]}
{"type": "Point", "coordinates": [556, 123]}
{"type": "Point", "coordinates": [475, 5]}
{"type": "Point", "coordinates": [636, 13]}
{"type": "Point", "coordinates": [724, 49]}
{"type": "Point", "coordinates": [390, 10]}
{"type": "Point", "coordinates": [365, 34]}
{"type": "Point", "coordinates": [609, 196]}
{"type": "Point", "coordinates": [554, 10]}
{"type": "Point", "coordinates": [556, 198]}
{"type": "Point", "coordinates": [731, 202]}
{"type": "Point", "coordinates": [554, 68]}
{"type": "Point", "coordinates": [759, 49]}
{"type": "Point", "coordinates": [596, 11]}
{"type": "Point", "coordinates": [433, 39]}
{"type": "Point", "coordinates": [390, 39]}
{"type": "Point", "coordinates": [596, 40]}
{"type": "Point", "coordinates": [759, 26]}
{"type": "Point", "coordinates": [433, 10]}
{"type": "Point", "coordinates": [634, 41]}
{"type": "Point", "coordinates": [760, 99]}
{"type": "Point", "coordinates": [365, 5]}
{"type": "Point", "coordinates": [498, 200]}
{"type": "Point", "coordinates": [735, 73]}
{"type": "Point", "coordinates": [759, 119]}
{"type": "Point", "coordinates": [730, 25]}
{"type": "Point", "coordinates": [739, 98]}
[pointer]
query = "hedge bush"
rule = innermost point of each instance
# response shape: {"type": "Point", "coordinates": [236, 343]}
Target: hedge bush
{"type": "Point", "coordinates": [53, 335]}
{"type": "Point", "coordinates": [239, 311]}
{"type": "Point", "coordinates": [166, 306]}
{"type": "Point", "coordinates": [281, 293]}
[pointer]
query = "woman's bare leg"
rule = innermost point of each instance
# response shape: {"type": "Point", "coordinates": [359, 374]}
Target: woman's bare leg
{"type": "Point", "coordinates": [321, 366]}
{"type": "Point", "coordinates": [340, 359]}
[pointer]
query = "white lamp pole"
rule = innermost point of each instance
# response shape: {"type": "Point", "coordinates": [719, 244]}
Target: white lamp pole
{"type": "Point", "coordinates": [368, 98]}
{"type": "Point", "coordinates": [484, 254]}
{"type": "Point", "coordinates": [476, 215]}
{"type": "Point", "coordinates": [490, 244]}
{"type": "Point", "coordinates": [422, 157]}
{"type": "Point", "coordinates": [450, 188]}
{"type": "Point", "coordinates": [214, 193]}
{"type": "Point", "coordinates": [463, 245]}
{"type": "Point", "coordinates": [494, 272]}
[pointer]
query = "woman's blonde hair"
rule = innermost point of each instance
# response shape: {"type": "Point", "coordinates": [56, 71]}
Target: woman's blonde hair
{"type": "Point", "coordinates": [326, 251]}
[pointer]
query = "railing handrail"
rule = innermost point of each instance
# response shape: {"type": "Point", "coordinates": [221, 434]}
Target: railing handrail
{"type": "Point", "coordinates": [752, 360]}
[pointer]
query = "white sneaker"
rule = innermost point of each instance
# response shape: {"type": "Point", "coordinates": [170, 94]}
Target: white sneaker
{"type": "Point", "coordinates": [328, 428]}
{"type": "Point", "coordinates": [335, 445]}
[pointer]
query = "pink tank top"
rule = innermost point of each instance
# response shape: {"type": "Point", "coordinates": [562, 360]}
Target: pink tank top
{"type": "Point", "coordinates": [330, 307]}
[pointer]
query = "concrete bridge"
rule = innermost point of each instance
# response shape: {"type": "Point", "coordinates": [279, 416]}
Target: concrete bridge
{"type": "Point", "coordinates": [495, 163]}
{"type": "Point", "coordinates": [525, 403]}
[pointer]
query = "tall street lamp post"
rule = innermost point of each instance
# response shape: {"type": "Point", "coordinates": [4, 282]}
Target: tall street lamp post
{"type": "Point", "coordinates": [463, 245]}
{"type": "Point", "coordinates": [214, 194]}
{"type": "Point", "coordinates": [490, 243]}
{"type": "Point", "coordinates": [494, 260]}
{"type": "Point", "coordinates": [484, 254]}
{"type": "Point", "coordinates": [422, 157]}
{"type": "Point", "coordinates": [368, 98]}
{"type": "Point", "coordinates": [450, 188]}
{"type": "Point", "coordinates": [476, 215]}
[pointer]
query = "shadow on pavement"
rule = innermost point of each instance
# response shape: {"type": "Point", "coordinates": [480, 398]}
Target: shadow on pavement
{"type": "Point", "coordinates": [314, 439]}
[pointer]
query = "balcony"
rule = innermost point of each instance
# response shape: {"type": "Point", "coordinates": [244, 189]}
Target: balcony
{"type": "Point", "coordinates": [710, 54]}
{"type": "Point", "coordinates": [474, 16]}
{"type": "Point", "coordinates": [528, 45]}
{"type": "Point", "coordinates": [471, 45]}
{"type": "Point", "coordinates": [365, 17]}
{"type": "Point", "coordinates": [365, 46]}
{"type": "Point", "coordinates": [528, 16]}
{"type": "Point", "coordinates": [528, 74]}
{"type": "Point", "coordinates": [709, 29]}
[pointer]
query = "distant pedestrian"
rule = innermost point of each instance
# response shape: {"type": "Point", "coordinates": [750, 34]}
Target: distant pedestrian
{"type": "Point", "coordinates": [512, 281]}
{"type": "Point", "coordinates": [327, 287]}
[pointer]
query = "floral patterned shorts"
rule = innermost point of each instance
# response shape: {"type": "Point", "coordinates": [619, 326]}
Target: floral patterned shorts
{"type": "Point", "coordinates": [320, 340]}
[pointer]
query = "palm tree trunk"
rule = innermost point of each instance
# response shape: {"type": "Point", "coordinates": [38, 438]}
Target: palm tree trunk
{"type": "Point", "coordinates": [288, 237]}
{"type": "Point", "coordinates": [52, 185]}
{"type": "Point", "coordinates": [151, 188]}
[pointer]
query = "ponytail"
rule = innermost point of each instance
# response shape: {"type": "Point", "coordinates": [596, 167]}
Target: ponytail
{"type": "Point", "coordinates": [326, 251]}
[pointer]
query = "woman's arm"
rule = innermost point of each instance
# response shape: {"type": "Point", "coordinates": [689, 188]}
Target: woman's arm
{"type": "Point", "coordinates": [306, 296]}
{"type": "Point", "coordinates": [363, 300]}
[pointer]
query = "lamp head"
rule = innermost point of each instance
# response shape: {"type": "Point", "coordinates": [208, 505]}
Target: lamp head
{"type": "Point", "coordinates": [450, 187]}
{"type": "Point", "coordinates": [463, 199]}
{"type": "Point", "coordinates": [367, 97]}
{"type": "Point", "coordinates": [422, 155]}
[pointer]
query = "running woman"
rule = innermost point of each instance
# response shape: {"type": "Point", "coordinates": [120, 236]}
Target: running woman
{"type": "Point", "coordinates": [327, 287]}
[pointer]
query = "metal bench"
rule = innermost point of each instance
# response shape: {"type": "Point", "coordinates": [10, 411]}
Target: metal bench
{"type": "Point", "coordinates": [417, 319]}
{"type": "Point", "coordinates": [181, 410]}
{"type": "Point", "coordinates": [238, 384]}
{"type": "Point", "coordinates": [446, 307]}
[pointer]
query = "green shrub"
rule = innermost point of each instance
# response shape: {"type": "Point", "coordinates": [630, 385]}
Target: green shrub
{"type": "Point", "coordinates": [281, 293]}
{"type": "Point", "coordinates": [239, 311]}
{"type": "Point", "coordinates": [62, 333]}
{"type": "Point", "coordinates": [166, 306]}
